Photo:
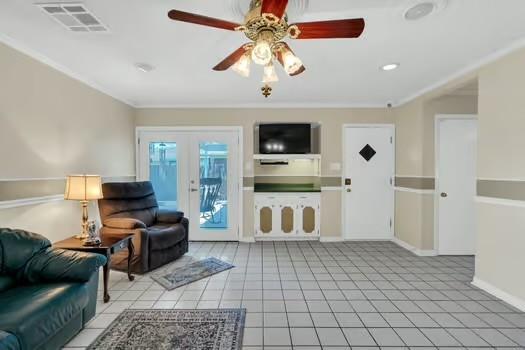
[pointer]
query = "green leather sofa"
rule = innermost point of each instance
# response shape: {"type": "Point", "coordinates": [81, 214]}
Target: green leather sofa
{"type": "Point", "coordinates": [47, 295]}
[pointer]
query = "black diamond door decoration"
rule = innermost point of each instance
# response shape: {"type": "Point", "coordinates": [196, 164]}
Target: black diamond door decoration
{"type": "Point", "coordinates": [367, 152]}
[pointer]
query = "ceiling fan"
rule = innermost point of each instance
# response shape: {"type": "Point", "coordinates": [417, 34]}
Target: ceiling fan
{"type": "Point", "coordinates": [266, 25]}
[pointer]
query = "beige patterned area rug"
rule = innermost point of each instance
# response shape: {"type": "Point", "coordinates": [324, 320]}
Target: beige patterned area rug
{"type": "Point", "coordinates": [217, 329]}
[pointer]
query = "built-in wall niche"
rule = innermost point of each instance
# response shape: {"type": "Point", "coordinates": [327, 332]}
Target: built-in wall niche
{"type": "Point", "coordinates": [315, 139]}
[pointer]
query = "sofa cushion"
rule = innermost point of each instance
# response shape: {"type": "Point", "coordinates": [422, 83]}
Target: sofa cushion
{"type": "Point", "coordinates": [17, 247]}
{"type": "Point", "coordinates": [6, 282]}
{"type": "Point", "coordinates": [60, 265]}
{"type": "Point", "coordinates": [36, 312]}
{"type": "Point", "coordinates": [165, 236]}
{"type": "Point", "coordinates": [8, 341]}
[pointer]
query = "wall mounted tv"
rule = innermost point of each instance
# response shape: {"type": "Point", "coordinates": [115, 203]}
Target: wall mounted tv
{"type": "Point", "coordinates": [285, 139]}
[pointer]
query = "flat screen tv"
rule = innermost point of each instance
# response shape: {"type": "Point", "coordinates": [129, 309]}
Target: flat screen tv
{"type": "Point", "coordinates": [284, 138]}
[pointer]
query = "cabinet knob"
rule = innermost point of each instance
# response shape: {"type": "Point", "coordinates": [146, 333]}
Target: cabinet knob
{"type": "Point", "coordinates": [348, 190]}
{"type": "Point", "coordinates": [444, 194]}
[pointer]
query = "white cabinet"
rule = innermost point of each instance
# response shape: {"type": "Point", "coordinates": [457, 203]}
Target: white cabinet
{"type": "Point", "coordinates": [287, 215]}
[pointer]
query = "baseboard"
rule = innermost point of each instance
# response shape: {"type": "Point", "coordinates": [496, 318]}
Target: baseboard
{"type": "Point", "coordinates": [417, 251]}
{"type": "Point", "coordinates": [500, 294]}
{"type": "Point", "coordinates": [247, 239]}
{"type": "Point", "coordinates": [331, 239]}
{"type": "Point", "coordinates": [286, 238]}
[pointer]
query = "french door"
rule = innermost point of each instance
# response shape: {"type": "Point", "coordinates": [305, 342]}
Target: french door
{"type": "Point", "coordinates": [197, 172]}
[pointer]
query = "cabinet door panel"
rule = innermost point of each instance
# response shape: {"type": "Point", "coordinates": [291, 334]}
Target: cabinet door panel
{"type": "Point", "coordinates": [266, 220]}
{"type": "Point", "coordinates": [309, 220]}
{"type": "Point", "coordinates": [287, 219]}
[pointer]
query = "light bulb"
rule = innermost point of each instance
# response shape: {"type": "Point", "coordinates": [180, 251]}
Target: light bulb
{"type": "Point", "coordinates": [292, 63]}
{"type": "Point", "coordinates": [242, 66]}
{"type": "Point", "coordinates": [269, 74]}
{"type": "Point", "coordinates": [262, 52]}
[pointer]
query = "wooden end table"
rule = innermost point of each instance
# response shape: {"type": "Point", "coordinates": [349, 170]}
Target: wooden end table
{"type": "Point", "coordinates": [109, 246]}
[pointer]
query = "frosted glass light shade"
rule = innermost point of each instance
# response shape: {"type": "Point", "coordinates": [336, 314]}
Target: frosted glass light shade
{"type": "Point", "coordinates": [262, 52]}
{"type": "Point", "coordinates": [83, 187]}
{"type": "Point", "coordinates": [242, 66]}
{"type": "Point", "coordinates": [292, 63]}
{"type": "Point", "coordinates": [270, 76]}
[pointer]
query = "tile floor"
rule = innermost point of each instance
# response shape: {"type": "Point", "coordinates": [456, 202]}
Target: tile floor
{"type": "Point", "coordinates": [313, 296]}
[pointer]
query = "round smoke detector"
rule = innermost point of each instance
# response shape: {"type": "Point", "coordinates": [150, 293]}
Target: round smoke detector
{"type": "Point", "coordinates": [423, 8]}
{"type": "Point", "coordinates": [295, 9]}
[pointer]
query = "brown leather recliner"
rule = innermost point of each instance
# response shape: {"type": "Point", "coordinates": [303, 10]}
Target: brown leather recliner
{"type": "Point", "coordinates": [161, 236]}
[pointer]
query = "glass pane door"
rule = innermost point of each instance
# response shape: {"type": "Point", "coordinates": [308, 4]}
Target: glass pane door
{"type": "Point", "coordinates": [214, 185]}
{"type": "Point", "coordinates": [163, 173]}
{"type": "Point", "coordinates": [213, 181]}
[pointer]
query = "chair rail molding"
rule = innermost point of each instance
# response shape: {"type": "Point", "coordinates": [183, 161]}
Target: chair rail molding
{"type": "Point", "coordinates": [30, 201]}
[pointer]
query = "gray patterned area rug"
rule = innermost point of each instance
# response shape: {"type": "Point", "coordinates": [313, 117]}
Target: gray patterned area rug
{"type": "Point", "coordinates": [192, 272]}
{"type": "Point", "coordinates": [218, 329]}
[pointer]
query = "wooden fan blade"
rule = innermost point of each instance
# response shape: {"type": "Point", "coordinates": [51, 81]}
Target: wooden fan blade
{"type": "Point", "coordinates": [275, 7]}
{"type": "Point", "coordinates": [230, 60]}
{"type": "Point", "coordinates": [202, 20]}
{"type": "Point", "coordinates": [280, 58]}
{"type": "Point", "coordinates": [344, 28]}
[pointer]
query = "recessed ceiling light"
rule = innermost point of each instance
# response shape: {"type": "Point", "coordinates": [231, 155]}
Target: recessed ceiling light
{"type": "Point", "coordinates": [420, 10]}
{"type": "Point", "coordinates": [144, 67]}
{"type": "Point", "coordinates": [390, 66]}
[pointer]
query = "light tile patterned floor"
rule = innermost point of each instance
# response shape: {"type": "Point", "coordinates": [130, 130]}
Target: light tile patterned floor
{"type": "Point", "coordinates": [311, 296]}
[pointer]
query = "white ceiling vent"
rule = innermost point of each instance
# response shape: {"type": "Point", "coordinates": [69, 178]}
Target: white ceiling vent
{"type": "Point", "coordinates": [74, 16]}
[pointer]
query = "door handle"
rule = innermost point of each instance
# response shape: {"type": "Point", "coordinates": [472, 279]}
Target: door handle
{"type": "Point", "coordinates": [444, 194]}
{"type": "Point", "coordinates": [193, 189]}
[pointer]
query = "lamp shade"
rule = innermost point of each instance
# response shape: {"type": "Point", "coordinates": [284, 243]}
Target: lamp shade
{"type": "Point", "coordinates": [83, 187]}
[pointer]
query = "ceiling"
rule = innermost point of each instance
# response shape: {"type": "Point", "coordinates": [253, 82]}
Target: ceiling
{"type": "Point", "coordinates": [339, 72]}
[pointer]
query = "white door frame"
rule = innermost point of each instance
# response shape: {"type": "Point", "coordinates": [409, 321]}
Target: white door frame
{"type": "Point", "coordinates": [237, 129]}
{"type": "Point", "coordinates": [437, 192]}
{"type": "Point", "coordinates": [392, 127]}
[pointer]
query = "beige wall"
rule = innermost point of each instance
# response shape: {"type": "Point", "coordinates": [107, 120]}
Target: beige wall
{"type": "Point", "coordinates": [51, 126]}
{"type": "Point", "coordinates": [409, 138]}
{"type": "Point", "coordinates": [331, 142]}
{"type": "Point", "coordinates": [501, 228]}
{"type": "Point", "coordinates": [331, 214]}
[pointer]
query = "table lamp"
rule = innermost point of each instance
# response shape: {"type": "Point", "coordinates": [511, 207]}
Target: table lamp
{"type": "Point", "coordinates": [83, 188]}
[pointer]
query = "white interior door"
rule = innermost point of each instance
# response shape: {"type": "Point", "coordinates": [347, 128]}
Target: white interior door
{"type": "Point", "coordinates": [196, 172]}
{"type": "Point", "coordinates": [368, 191]}
{"type": "Point", "coordinates": [456, 186]}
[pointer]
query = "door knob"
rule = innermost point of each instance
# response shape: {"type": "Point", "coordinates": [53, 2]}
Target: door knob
{"type": "Point", "coordinates": [348, 190]}
{"type": "Point", "coordinates": [444, 194]}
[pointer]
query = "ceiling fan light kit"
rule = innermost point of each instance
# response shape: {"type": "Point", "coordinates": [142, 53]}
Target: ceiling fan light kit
{"type": "Point", "coordinates": [266, 25]}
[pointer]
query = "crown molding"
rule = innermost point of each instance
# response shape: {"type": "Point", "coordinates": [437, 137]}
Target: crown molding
{"type": "Point", "coordinates": [268, 105]}
{"type": "Point", "coordinates": [471, 68]}
{"type": "Point", "coordinates": [17, 45]}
